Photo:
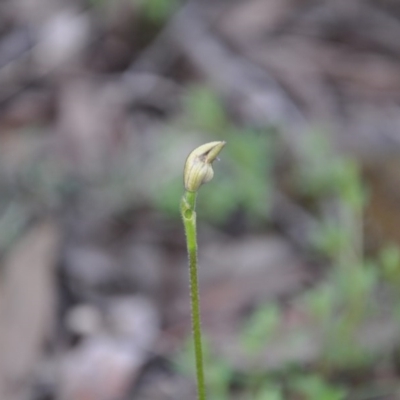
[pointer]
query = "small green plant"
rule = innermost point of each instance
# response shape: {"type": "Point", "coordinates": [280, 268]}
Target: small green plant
{"type": "Point", "coordinates": [261, 326]}
{"type": "Point", "coordinates": [269, 391]}
{"type": "Point", "coordinates": [389, 260]}
{"type": "Point", "coordinates": [198, 170]}
{"type": "Point", "coordinates": [158, 10]}
{"type": "Point", "coordinates": [344, 302]}
{"type": "Point", "coordinates": [313, 387]}
{"type": "Point", "coordinates": [218, 374]}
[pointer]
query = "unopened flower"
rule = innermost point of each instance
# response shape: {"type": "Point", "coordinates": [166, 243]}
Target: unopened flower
{"type": "Point", "coordinates": [198, 166]}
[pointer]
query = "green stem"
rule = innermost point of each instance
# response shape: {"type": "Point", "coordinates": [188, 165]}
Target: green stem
{"type": "Point", "coordinates": [188, 206]}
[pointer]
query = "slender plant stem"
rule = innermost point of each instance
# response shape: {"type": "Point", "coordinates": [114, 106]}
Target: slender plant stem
{"type": "Point", "coordinates": [188, 206]}
{"type": "Point", "coordinates": [198, 170]}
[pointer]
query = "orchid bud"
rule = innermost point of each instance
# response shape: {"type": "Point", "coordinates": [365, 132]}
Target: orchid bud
{"type": "Point", "coordinates": [198, 166]}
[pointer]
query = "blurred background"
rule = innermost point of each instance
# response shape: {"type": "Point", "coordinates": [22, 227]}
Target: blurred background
{"type": "Point", "coordinates": [100, 103]}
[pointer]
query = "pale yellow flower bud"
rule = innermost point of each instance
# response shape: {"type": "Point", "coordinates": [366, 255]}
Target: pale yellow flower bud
{"type": "Point", "coordinates": [198, 166]}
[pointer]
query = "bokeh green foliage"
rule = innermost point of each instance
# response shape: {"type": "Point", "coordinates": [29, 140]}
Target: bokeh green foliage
{"type": "Point", "coordinates": [345, 300]}
{"type": "Point", "coordinates": [154, 11]}
{"type": "Point", "coordinates": [157, 10]}
{"type": "Point", "coordinates": [218, 372]}
{"type": "Point", "coordinates": [389, 260]}
{"type": "Point", "coordinates": [224, 383]}
{"type": "Point", "coordinates": [260, 327]}
{"type": "Point", "coordinates": [323, 173]}
{"type": "Point", "coordinates": [314, 387]}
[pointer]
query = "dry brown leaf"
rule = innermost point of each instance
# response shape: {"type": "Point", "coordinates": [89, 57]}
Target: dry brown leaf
{"type": "Point", "coordinates": [27, 305]}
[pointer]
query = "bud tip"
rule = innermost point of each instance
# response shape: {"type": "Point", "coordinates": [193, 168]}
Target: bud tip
{"type": "Point", "coordinates": [198, 166]}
